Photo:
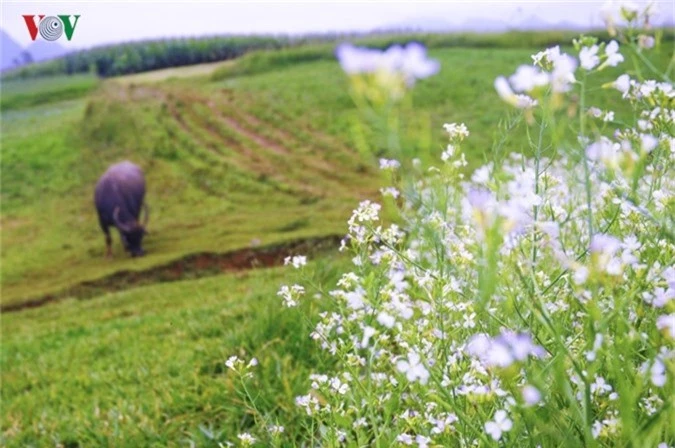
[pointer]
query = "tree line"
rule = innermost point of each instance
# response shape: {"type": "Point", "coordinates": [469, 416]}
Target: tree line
{"type": "Point", "coordinates": [135, 57]}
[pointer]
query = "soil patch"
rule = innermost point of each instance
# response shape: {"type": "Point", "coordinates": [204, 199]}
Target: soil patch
{"type": "Point", "coordinates": [193, 266]}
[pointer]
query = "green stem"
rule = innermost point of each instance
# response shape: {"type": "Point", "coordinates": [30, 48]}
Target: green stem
{"type": "Point", "coordinates": [587, 170]}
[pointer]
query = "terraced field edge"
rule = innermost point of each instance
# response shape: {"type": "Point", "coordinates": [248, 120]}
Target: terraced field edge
{"type": "Point", "coordinates": [192, 266]}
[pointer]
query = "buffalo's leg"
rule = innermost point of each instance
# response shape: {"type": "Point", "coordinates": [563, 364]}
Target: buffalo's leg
{"type": "Point", "coordinates": [108, 243]}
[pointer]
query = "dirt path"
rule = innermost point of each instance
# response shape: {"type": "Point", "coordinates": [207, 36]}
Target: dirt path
{"type": "Point", "coordinates": [189, 267]}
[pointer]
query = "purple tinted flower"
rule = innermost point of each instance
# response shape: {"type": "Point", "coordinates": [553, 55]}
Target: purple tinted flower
{"type": "Point", "coordinates": [480, 199]}
{"type": "Point", "coordinates": [521, 345]}
{"type": "Point", "coordinates": [531, 395]}
{"type": "Point", "coordinates": [478, 344]}
{"type": "Point", "coordinates": [503, 350]}
{"type": "Point", "coordinates": [604, 244]}
{"type": "Point", "coordinates": [391, 59]}
{"type": "Point", "coordinates": [416, 65]}
{"type": "Point", "coordinates": [410, 62]}
{"type": "Point", "coordinates": [355, 60]}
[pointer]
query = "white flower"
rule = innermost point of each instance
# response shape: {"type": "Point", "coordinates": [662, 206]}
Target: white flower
{"type": "Point", "coordinates": [594, 112]}
{"type": "Point", "coordinates": [603, 249]}
{"type": "Point", "coordinates": [531, 395]}
{"type": "Point", "coordinates": [390, 191]}
{"type": "Point", "coordinates": [658, 373]}
{"type": "Point", "coordinates": [413, 368]}
{"type": "Point", "coordinates": [308, 402]}
{"type": "Point", "coordinates": [527, 78]}
{"type": "Point", "coordinates": [387, 164]}
{"type": "Point", "coordinates": [246, 439]}
{"type": "Point", "coordinates": [588, 57]}
{"type": "Point", "coordinates": [646, 42]}
{"type": "Point", "coordinates": [236, 364]}
{"type": "Point", "coordinates": [276, 429]}
{"type": "Point", "coordinates": [415, 64]}
{"type": "Point", "coordinates": [600, 386]}
{"type": "Point", "coordinates": [368, 333]}
{"type": "Point", "coordinates": [232, 361]}
{"type": "Point", "coordinates": [338, 386]}
{"type": "Point", "coordinates": [562, 75]}
{"type": "Point", "coordinates": [448, 153]}
{"type": "Point", "coordinates": [481, 175]}
{"type": "Point", "coordinates": [456, 131]}
{"type": "Point", "coordinates": [539, 58]}
{"type": "Point", "coordinates": [547, 57]}
{"type": "Point", "coordinates": [662, 297]}
{"type": "Point", "coordinates": [613, 55]}
{"type": "Point", "coordinates": [442, 423]}
{"type": "Point", "coordinates": [505, 93]}
{"type": "Point", "coordinates": [596, 429]}
{"type": "Point", "coordinates": [500, 425]}
{"type": "Point", "coordinates": [469, 320]}
{"type": "Point", "coordinates": [386, 320]}
{"type": "Point", "coordinates": [405, 439]}
{"type": "Point", "coordinates": [409, 63]}
{"type": "Point", "coordinates": [622, 84]}
{"type": "Point", "coordinates": [648, 142]}
{"type": "Point", "coordinates": [367, 211]}
{"type": "Point", "coordinates": [667, 322]}
{"type": "Point", "coordinates": [605, 244]}
{"type": "Point", "coordinates": [422, 441]}
{"type": "Point", "coordinates": [503, 350]}
{"type": "Point", "coordinates": [606, 151]}
{"type": "Point", "coordinates": [297, 261]}
{"type": "Point", "coordinates": [290, 295]}
{"type": "Point", "coordinates": [581, 275]}
{"type": "Point", "coordinates": [356, 60]}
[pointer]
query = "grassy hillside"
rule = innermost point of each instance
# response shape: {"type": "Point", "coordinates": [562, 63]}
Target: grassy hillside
{"type": "Point", "coordinates": [25, 93]}
{"type": "Point", "coordinates": [219, 178]}
{"type": "Point", "coordinates": [259, 158]}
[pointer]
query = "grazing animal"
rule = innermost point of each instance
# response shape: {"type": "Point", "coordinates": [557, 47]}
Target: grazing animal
{"type": "Point", "coordinates": [119, 198]}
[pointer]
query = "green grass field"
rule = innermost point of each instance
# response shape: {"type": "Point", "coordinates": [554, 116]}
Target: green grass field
{"type": "Point", "coordinates": [146, 367]}
{"type": "Point", "coordinates": [245, 158]}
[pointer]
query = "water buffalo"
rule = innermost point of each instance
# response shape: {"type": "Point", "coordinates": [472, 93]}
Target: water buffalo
{"type": "Point", "coordinates": [119, 198]}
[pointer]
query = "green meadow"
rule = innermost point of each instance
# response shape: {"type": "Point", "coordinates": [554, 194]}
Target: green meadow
{"type": "Point", "coordinates": [249, 153]}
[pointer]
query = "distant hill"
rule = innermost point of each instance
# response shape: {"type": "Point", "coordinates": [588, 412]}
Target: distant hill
{"type": "Point", "coordinates": [427, 24]}
{"type": "Point", "coordinates": [434, 25]}
{"type": "Point", "coordinates": [42, 50]}
{"type": "Point", "coordinates": [481, 25]}
{"type": "Point", "coordinates": [478, 25]}
{"type": "Point", "coordinates": [11, 51]}
{"type": "Point", "coordinates": [13, 55]}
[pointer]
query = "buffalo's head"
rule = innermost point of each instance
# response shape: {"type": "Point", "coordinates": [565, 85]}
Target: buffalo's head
{"type": "Point", "coordinates": [131, 233]}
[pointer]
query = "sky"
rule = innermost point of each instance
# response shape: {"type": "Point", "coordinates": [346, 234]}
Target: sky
{"type": "Point", "coordinates": [104, 22]}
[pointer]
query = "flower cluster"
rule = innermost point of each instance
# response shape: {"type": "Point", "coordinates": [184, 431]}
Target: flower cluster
{"type": "Point", "coordinates": [291, 294]}
{"type": "Point", "coordinates": [488, 297]}
{"type": "Point", "coordinates": [381, 77]}
{"type": "Point", "coordinates": [409, 63]}
{"type": "Point", "coordinates": [551, 68]}
{"type": "Point", "coordinates": [534, 290]}
{"type": "Point", "coordinates": [406, 333]}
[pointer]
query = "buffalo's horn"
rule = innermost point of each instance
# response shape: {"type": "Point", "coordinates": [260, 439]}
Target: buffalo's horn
{"type": "Point", "coordinates": [118, 223]}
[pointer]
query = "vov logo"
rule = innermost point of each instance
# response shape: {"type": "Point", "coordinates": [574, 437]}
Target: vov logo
{"type": "Point", "coordinates": [51, 27]}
